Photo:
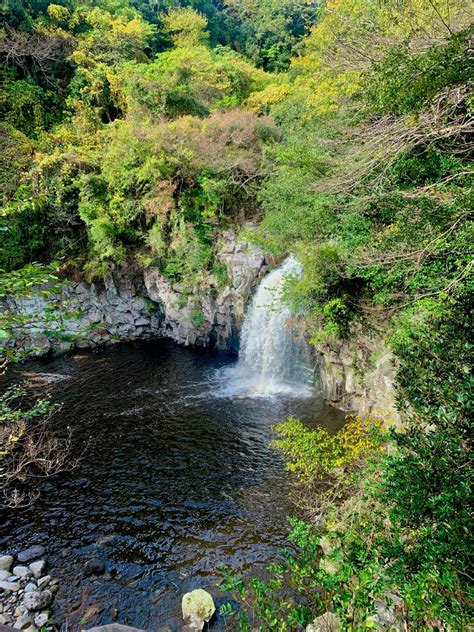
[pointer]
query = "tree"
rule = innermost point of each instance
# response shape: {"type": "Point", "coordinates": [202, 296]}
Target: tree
{"type": "Point", "coordinates": [185, 27]}
{"type": "Point", "coordinates": [272, 30]}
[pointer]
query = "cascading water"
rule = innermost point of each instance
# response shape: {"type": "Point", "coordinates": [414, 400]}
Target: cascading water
{"type": "Point", "coordinates": [272, 359]}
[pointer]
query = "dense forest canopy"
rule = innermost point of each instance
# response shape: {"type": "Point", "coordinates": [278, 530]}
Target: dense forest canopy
{"type": "Point", "coordinates": [134, 131]}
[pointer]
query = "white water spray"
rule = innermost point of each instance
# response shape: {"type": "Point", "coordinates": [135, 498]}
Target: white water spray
{"type": "Point", "coordinates": [272, 358]}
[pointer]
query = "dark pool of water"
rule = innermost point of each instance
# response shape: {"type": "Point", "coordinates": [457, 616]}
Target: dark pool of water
{"type": "Point", "coordinates": [175, 480]}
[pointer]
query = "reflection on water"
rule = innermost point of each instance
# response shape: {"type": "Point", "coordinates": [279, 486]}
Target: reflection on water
{"type": "Point", "coordinates": [177, 478]}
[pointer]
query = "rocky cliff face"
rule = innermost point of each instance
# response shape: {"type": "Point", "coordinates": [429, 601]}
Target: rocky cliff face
{"type": "Point", "coordinates": [209, 315]}
{"type": "Point", "coordinates": [358, 374]}
{"type": "Point", "coordinates": [85, 316]}
{"type": "Point", "coordinates": [144, 306]}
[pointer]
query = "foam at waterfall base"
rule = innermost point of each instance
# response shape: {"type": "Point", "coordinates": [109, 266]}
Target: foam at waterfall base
{"type": "Point", "coordinates": [240, 382]}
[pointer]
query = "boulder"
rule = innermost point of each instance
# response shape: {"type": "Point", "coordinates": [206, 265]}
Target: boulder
{"type": "Point", "coordinates": [5, 562]}
{"type": "Point", "coordinates": [198, 608]}
{"type": "Point", "coordinates": [37, 600]}
{"type": "Point", "coordinates": [43, 582]}
{"type": "Point", "coordinates": [21, 571]}
{"type": "Point", "coordinates": [11, 586]}
{"type": "Point", "coordinates": [41, 619]}
{"type": "Point", "coordinates": [32, 553]}
{"type": "Point", "coordinates": [24, 621]}
{"type": "Point", "coordinates": [37, 568]}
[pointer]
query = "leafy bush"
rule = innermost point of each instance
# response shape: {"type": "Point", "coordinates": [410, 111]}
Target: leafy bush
{"type": "Point", "coordinates": [313, 454]}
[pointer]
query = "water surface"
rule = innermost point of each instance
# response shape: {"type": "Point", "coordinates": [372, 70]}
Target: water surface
{"type": "Point", "coordinates": [177, 478]}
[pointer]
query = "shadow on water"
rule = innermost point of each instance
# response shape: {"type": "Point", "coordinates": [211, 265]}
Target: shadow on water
{"type": "Point", "coordinates": [177, 478]}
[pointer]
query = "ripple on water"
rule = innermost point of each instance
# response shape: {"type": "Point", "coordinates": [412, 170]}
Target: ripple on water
{"type": "Point", "coordinates": [177, 478]}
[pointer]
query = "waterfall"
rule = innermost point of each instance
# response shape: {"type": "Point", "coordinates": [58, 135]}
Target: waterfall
{"type": "Point", "coordinates": [272, 359]}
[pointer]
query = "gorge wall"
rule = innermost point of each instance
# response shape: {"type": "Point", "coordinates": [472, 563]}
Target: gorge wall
{"type": "Point", "coordinates": [84, 316]}
{"type": "Point", "coordinates": [356, 375]}
{"type": "Point", "coordinates": [143, 306]}
{"type": "Point", "coordinates": [211, 315]}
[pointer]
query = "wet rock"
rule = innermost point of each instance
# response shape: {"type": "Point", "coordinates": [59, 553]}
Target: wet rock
{"type": "Point", "coordinates": [328, 622]}
{"type": "Point", "coordinates": [5, 576]}
{"type": "Point", "coordinates": [30, 587]}
{"type": "Point", "coordinates": [11, 586]}
{"type": "Point", "coordinates": [94, 567]}
{"type": "Point", "coordinates": [198, 608]}
{"type": "Point", "coordinates": [37, 600]}
{"type": "Point", "coordinates": [21, 571]}
{"type": "Point", "coordinates": [37, 568]}
{"type": "Point", "coordinates": [5, 562]}
{"type": "Point", "coordinates": [30, 554]}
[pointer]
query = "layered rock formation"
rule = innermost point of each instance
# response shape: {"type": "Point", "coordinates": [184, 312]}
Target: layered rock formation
{"type": "Point", "coordinates": [356, 375]}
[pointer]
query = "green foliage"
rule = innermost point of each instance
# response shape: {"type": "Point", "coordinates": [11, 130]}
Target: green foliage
{"type": "Point", "coordinates": [381, 221]}
{"type": "Point", "coordinates": [24, 229]}
{"type": "Point", "coordinates": [189, 257]}
{"type": "Point", "coordinates": [197, 318]}
{"type": "Point", "coordinates": [23, 282]}
{"type": "Point", "coordinates": [125, 169]}
{"type": "Point", "coordinates": [185, 27]}
{"type": "Point", "coordinates": [27, 106]}
{"type": "Point", "coordinates": [223, 28]}
{"type": "Point", "coordinates": [309, 453]}
{"type": "Point", "coordinates": [272, 30]}
{"type": "Point", "coordinates": [404, 82]}
{"type": "Point", "coordinates": [17, 152]}
{"type": "Point", "coordinates": [221, 274]}
{"type": "Point", "coordinates": [190, 79]}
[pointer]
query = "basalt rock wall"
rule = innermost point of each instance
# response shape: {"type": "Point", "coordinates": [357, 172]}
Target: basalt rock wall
{"type": "Point", "coordinates": [211, 314]}
{"type": "Point", "coordinates": [143, 305]}
{"type": "Point", "coordinates": [358, 374]}
{"type": "Point", "coordinates": [85, 316]}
